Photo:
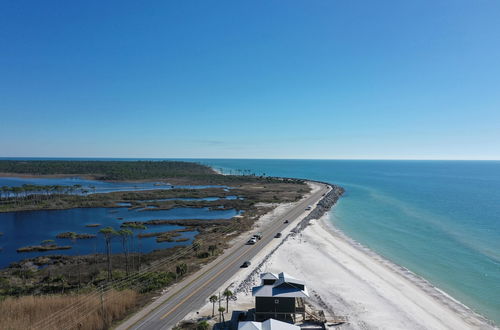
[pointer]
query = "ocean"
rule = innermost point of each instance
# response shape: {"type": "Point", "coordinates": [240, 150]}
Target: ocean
{"type": "Point", "coordinates": [439, 219]}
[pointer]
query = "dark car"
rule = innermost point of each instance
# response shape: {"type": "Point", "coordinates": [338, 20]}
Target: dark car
{"type": "Point", "coordinates": [286, 221]}
{"type": "Point", "coordinates": [278, 235]}
{"type": "Point", "coordinates": [245, 264]}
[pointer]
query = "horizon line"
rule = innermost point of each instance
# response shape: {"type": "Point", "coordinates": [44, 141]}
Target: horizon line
{"type": "Point", "coordinates": [221, 158]}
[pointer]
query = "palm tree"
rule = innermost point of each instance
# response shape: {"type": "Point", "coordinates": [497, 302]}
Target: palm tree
{"type": "Point", "coordinates": [141, 227]}
{"type": "Point", "coordinates": [108, 234]}
{"type": "Point", "coordinates": [125, 236]}
{"type": "Point", "coordinates": [221, 314]}
{"type": "Point", "coordinates": [213, 299]}
{"type": "Point", "coordinates": [227, 294]}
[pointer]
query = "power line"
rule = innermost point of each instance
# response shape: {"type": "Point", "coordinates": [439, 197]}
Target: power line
{"type": "Point", "coordinates": [53, 319]}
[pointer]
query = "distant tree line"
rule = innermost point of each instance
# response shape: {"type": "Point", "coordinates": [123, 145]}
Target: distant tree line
{"type": "Point", "coordinates": [106, 170]}
{"type": "Point", "coordinates": [39, 192]}
{"type": "Point", "coordinates": [137, 170]}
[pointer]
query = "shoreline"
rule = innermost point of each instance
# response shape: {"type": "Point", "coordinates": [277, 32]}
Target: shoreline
{"type": "Point", "coordinates": [233, 245]}
{"type": "Point", "coordinates": [453, 304]}
{"type": "Point", "coordinates": [352, 280]}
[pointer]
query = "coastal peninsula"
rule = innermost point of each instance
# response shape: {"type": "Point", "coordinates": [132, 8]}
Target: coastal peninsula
{"type": "Point", "coordinates": [171, 186]}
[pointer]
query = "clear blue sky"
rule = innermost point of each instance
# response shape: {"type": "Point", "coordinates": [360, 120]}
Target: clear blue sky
{"type": "Point", "coordinates": [250, 79]}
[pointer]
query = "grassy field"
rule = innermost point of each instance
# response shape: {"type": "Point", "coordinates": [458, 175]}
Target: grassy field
{"type": "Point", "coordinates": [24, 312]}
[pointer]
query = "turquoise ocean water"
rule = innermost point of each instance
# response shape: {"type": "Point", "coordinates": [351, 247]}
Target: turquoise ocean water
{"type": "Point", "coordinates": [440, 219]}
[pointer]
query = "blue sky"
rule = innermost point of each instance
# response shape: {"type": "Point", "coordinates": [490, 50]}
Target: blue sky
{"type": "Point", "coordinates": [250, 79]}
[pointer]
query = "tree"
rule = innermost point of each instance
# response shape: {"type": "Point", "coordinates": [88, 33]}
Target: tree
{"type": "Point", "coordinates": [212, 248]}
{"type": "Point", "coordinates": [73, 236]}
{"type": "Point", "coordinates": [228, 294]}
{"type": "Point", "coordinates": [221, 314]}
{"type": "Point", "coordinates": [140, 227]}
{"type": "Point", "coordinates": [181, 269]}
{"type": "Point", "coordinates": [108, 234]}
{"type": "Point", "coordinates": [213, 299]}
{"type": "Point", "coordinates": [125, 235]}
{"type": "Point", "coordinates": [196, 246]}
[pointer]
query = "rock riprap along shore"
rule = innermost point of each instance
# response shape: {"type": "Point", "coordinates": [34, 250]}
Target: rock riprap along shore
{"type": "Point", "coordinates": [323, 206]}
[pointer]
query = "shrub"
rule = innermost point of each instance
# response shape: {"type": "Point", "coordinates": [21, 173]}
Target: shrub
{"type": "Point", "coordinates": [203, 255]}
{"type": "Point", "coordinates": [203, 325]}
{"type": "Point", "coordinates": [155, 280]}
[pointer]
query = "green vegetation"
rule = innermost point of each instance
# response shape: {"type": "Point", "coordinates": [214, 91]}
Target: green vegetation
{"type": "Point", "coordinates": [43, 247]}
{"type": "Point", "coordinates": [142, 273]}
{"type": "Point", "coordinates": [125, 236]}
{"type": "Point", "coordinates": [175, 172]}
{"type": "Point", "coordinates": [228, 294]}
{"type": "Point", "coordinates": [213, 299]}
{"type": "Point", "coordinates": [156, 280]}
{"type": "Point", "coordinates": [38, 192]}
{"type": "Point", "coordinates": [108, 234]}
{"type": "Point", "coordinates": [106, 170]}
{"type": "Point", "coordinates": [249, 192]}
{"type": "Point", "coordinates": [203, 325]}
{"type": "Point", "coordinates": [73, 235]}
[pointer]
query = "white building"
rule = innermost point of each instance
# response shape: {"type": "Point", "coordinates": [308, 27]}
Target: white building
{"type": "Point", "coordinates": [270, 324]}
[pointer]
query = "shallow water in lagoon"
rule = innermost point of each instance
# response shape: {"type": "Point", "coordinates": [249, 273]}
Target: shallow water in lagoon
{"type": "Point", "coordinates": [96, 186]}
{"type": "Point", "coordinates": [32, 227]}
{"type": "Point", "coordinates": [207, 199]}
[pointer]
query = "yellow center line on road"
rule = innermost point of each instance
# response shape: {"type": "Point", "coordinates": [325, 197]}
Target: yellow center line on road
{"type": "Point", "coordinates": [211, 279]}
{"type": "Point", "coordinates": [204, 285]}
{"type": "Point", "coordinates": [207, 271]}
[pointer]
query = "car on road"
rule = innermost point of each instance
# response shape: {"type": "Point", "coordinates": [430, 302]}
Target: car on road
{"type": "Point", "coordinates": [252, 241]}
{"type": "Point", "coordinates": [257, 236]}
{"type": "Point", "coordinates": [278, 235]}
{"type": "Point", "coordinates": [309, 207]}
{"type": "Point", "coordinates": [286, 221]}
{"type": "Point", "coordinates": [245, 264]}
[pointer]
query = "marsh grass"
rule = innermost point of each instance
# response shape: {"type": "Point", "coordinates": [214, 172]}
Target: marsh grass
{"type": "Point", "coordinates": [25, 312]}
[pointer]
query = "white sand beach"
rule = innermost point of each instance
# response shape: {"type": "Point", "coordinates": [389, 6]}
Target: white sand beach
{"type": "Point", "coordinates": [344, 278]}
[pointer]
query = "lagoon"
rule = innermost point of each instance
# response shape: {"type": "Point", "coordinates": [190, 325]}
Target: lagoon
{"type": "Point", "coordinates": [96, 186]}
{"type": "Point", "coordinates": [32, 227]}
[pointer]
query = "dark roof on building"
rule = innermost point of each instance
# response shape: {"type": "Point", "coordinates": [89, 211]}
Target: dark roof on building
{"type": "Point", "coordinates": [285, 286]}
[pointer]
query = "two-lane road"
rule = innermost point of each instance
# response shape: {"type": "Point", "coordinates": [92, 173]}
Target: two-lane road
{"type": "Point", "coordinates": [192, 293]}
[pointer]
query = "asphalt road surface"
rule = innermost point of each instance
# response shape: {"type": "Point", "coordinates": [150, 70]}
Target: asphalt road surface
{"type": "Point", "coordinates": [174, 305]}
